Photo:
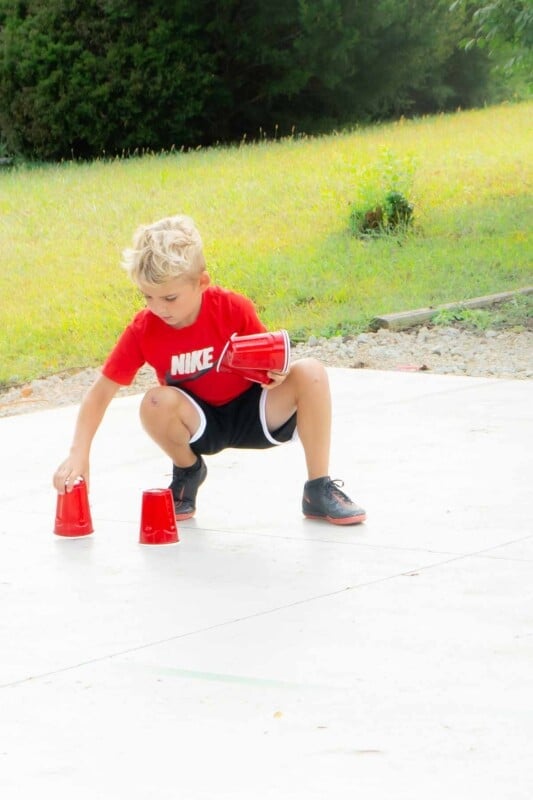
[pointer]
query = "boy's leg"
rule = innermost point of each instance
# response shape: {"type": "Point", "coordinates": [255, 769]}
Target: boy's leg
{"type": "Point", "coordinates": [306, 390]}
{"type": "Point", "coordinates": [171, 419]}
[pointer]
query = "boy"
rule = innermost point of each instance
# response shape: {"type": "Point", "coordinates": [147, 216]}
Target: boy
{"type": "Point", "coordinates": [196, 410]}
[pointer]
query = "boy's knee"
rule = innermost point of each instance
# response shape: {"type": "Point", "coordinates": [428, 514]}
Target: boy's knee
{"type": "Point", "coordinates": [157, 400]}
{"type": "Point", "coordinates": [309, 369]}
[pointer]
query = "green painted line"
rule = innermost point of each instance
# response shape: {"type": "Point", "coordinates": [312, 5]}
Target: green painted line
{"type": "Point", "coordinates": [241, 680]}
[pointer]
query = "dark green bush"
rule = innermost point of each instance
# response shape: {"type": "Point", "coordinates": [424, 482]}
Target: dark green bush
{"type": "Point", "coordinates": [83, 78]}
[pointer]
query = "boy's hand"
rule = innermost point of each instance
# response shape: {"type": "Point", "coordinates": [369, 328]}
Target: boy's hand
{"type": "Point", "coordinates": [90, 415]}
{"type": "Point", "coordinates": [276, 378]}
{"type": "Point", "coordinates": [69, 472]}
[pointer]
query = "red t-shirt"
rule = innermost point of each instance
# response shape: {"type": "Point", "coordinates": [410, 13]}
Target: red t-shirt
{"type": "Point", "coordinates": [187, 357]}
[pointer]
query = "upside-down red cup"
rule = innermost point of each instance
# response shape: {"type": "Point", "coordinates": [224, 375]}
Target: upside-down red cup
{"type": "Point", "coordinates": [73, 515]}
{"type": "Point", "coordinates": [256, 354]}
{"type": "Point", "coordinates": [158, 518]}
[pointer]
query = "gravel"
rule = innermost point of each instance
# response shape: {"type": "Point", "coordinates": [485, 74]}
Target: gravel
{"type": "Point", "coordinates": [442, 350]}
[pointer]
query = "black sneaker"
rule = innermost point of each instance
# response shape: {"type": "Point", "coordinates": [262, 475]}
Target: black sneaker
{"type": "Point", "coordinates": [185, 484]}
{"type": "Point", "coordinates": [324, 500]}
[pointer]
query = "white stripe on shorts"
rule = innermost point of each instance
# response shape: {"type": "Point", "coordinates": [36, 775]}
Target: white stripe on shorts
{"type": "Point", "coordinates": [262, 417]}
{"type": "Point", "coordinates": [203, 422]}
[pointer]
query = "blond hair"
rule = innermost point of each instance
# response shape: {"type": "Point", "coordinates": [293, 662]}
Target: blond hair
{"type": "Point", "coordinates": [169, 248]}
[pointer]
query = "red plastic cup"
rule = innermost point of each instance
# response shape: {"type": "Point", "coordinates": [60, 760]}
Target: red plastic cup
{"type": "Point", "coordinates": [73, 515]}
{"type": "Point", "coordinates": [256, 354]}
{"type": "Point", "coordinates": [158, 518]}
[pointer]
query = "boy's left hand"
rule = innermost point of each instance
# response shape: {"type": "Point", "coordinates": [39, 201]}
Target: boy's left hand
{"type": "Point", "coordinates": [276, 379]}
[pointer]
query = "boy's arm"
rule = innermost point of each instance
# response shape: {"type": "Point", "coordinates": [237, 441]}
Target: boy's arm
{"type": "Point", "coordinates": [91, 413]}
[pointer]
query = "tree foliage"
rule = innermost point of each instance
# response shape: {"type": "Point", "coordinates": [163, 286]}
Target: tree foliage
{"type": "Point", "coordinates": [85, 77]}
{"type": "Point", "coordinates": [502, 25]}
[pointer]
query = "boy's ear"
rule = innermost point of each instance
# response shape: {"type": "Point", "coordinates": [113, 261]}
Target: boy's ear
{"type": "Point", "coordinates": [205, 280]}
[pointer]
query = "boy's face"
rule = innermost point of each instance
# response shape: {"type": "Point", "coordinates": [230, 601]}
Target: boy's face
{"type": "Point", "coordinates": [176, 301]}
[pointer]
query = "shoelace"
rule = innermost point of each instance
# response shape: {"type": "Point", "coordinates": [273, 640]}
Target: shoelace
{"type": "Point", "coordinates": [335, 490]}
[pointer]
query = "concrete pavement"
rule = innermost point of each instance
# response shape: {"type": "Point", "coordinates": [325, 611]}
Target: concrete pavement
{"type": "Point", "coordinates": [269, 656]}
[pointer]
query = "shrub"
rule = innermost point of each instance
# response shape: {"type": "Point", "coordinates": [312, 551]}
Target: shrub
{"type": "Point", "coordinates": [382, 204]}
{"type": "Point", "coordinates": [393, 215]}
{"type": "Point", "coordinates": [81, 79]}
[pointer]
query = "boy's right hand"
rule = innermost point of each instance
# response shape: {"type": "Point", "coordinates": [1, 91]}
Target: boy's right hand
{"type": "Point", "coordinates": [90, 415]}
{"type": "Point", "coordinates": [69, 472]}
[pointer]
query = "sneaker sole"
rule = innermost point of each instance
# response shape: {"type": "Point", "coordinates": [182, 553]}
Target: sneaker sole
{"type": "Point", "coordinates": [355, 520]}
{"type": "Point", "coordinates": [188, 515]}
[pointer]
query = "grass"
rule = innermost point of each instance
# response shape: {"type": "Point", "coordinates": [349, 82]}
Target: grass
{"type": "Point", "coordinates": [275, 221]}
{"type": "Point", "coordinates": [515, 315]}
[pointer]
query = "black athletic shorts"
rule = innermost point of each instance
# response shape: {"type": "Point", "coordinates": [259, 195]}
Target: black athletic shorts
{"type": "Point", "coordinates": [241, 423]}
